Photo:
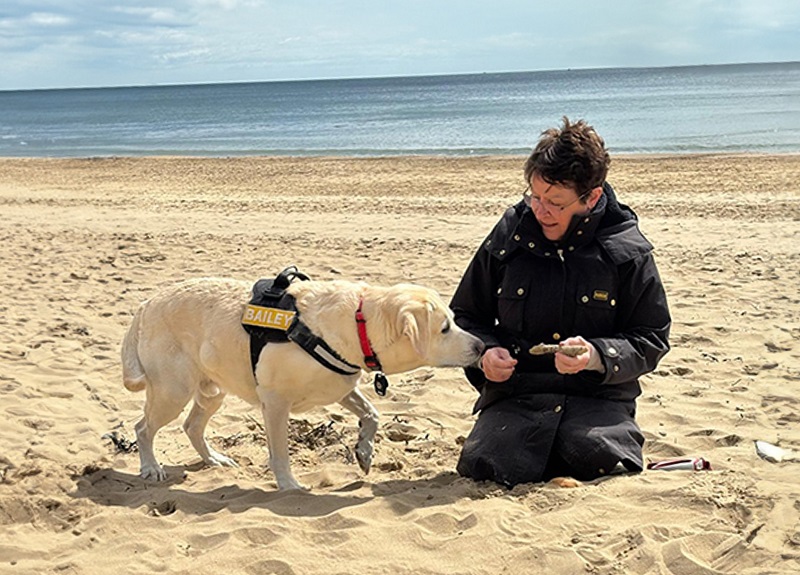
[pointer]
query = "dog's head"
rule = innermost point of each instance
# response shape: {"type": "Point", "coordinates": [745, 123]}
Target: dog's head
{"type": "Point", "coordinates": [418, 329]}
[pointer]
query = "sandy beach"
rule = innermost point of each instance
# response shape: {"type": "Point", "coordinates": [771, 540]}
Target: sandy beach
{"type": "Point", "coordinates": [84, 241]}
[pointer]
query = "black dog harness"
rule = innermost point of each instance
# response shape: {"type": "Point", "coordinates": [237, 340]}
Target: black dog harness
{"type": "Point", "coordinates": [272, 316]}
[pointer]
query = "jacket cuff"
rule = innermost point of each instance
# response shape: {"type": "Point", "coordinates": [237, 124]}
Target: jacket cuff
{"type": "Point", "coordinates": [610, 355]}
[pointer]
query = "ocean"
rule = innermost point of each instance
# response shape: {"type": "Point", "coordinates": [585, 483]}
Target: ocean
{"type": "Point", "coordinates": [729, 108]}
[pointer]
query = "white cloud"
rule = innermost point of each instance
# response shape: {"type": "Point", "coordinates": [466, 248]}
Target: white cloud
{"type": "Point", "coordinates": [154, 15]}
{"type": "Point", "coordinates": [48, 19]}
{"type": "Point", "coordinates": [143, 41]}
{"type": "Point", "coordinates": [230, 4]}
{"type": "Point", "coordinates": [190, 55]}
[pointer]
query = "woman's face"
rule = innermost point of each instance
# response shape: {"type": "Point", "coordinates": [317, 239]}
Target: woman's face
{"type": "Point", "coordinates": [555, 204]}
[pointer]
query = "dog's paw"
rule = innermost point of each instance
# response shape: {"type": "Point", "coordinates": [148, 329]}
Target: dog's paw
{"type": "Point", "coordinates": [153, 473]}
{"type": "Point", "coordinates": [292, 485]}
{"type": "Point", "coordinates": [217, 459]}
{"type": "Point", "coordinates": [364, 457]}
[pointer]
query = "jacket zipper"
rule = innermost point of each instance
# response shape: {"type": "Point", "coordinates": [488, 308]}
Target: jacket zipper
{"type": "Point", "coordinates": [560, 253]}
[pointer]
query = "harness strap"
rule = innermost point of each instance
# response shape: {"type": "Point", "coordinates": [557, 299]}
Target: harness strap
{"type": "Point", "coordinates": [257, 342]}
{"type": "Point", "coordinates": [299, 333]}
{"type": "Point", "coordinates": [269, 311]}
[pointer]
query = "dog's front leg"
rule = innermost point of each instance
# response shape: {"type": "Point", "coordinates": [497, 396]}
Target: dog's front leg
{"type": "Point", "coordinates": [275, 410]}
{"type": "Point", "coordinates": [368, 424]}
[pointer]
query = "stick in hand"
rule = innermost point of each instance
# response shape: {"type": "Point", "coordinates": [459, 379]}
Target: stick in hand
{"type": "Point", "coordinates": [570, 350]}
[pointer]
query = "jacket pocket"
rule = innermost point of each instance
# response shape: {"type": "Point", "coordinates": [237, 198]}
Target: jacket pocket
{"type": "Point", "coordinates": [596, 310]}
{"type": "Point", "coordinates": [512, 296]}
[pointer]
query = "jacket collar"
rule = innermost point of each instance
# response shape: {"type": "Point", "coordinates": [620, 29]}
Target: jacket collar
{"type": "Point", "coordinates": [580, 232]}
{"type": "Point", "coordinates": [607, 219]}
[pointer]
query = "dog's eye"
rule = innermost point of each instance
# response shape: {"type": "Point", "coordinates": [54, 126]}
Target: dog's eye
{"type": "Point", "coordinates": [446, 327]}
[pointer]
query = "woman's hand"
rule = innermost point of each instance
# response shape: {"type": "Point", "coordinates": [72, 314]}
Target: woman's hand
{"type": "Point", "coordinates": [497, 364]}
{"type": "Point", "coordinates": [588, 360]}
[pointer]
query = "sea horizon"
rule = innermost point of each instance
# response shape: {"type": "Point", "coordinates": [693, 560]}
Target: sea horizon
{"type": "Point", "coordinates": [719, 108]}
{"type": "Point", "coordinates": [398, 77]}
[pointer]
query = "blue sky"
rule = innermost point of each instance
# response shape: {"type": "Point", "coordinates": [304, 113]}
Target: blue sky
{"type": "Point", "coordinates": [74, 43]}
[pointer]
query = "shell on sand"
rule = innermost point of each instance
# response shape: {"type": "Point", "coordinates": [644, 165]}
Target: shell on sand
{"type": "Point", "coordinates": [771, 453]}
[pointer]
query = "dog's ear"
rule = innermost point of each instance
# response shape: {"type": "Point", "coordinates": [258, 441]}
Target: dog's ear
{"type": "Point", "coordinates": [416, 318]}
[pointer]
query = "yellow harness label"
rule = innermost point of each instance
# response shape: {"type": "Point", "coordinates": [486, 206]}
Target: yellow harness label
{"type": "Point", "coordinates": [268, 317]}
{"type": "Point", "coordinates": [600, 295]}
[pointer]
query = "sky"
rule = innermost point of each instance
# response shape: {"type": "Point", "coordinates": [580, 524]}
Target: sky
{"type": "Point", "coordinates": [93, 43]}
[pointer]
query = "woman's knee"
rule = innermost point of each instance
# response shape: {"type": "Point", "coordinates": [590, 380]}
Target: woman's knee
{"type": "Point", "coordinates": [505, 449]}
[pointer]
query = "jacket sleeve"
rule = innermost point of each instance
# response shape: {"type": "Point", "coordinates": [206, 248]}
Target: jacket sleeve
{"type": "Point", "coordinates": [473, 306]}
{"type": "Point", "coordinates": [643, 324]}
{"type": "Point", "coordinates": [473, 302]}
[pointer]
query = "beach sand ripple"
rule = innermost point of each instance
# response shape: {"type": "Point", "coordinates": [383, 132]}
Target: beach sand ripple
{"type": "Point", "coordinates": [85, 241]}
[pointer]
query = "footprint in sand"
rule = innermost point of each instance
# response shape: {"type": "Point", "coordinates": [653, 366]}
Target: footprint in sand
{"type": "Point", "coordinates": [330, 531]}
{"type": "Point", "coordinates": [435, 529]}
{"type": "Point", "coordinates": [271, 566]}
{"type": "Point", "coordinates": [257, 536]}
{"type": "Point", "coordinates": [700, 553]}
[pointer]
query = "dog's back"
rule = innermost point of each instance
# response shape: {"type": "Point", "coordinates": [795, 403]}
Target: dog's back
{"type": "Point", "coordinates": [180, 325]}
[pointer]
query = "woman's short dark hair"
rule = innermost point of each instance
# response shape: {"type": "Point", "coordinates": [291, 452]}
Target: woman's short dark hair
{"type": "Point", "coordinates": [574, 155]}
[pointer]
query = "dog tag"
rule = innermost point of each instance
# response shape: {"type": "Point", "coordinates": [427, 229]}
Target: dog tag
{"type": "Point", "coordinates": [381, 383]}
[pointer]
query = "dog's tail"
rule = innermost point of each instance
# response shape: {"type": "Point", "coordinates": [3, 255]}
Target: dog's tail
{"type": "Point", "coordinates": [133, 375]}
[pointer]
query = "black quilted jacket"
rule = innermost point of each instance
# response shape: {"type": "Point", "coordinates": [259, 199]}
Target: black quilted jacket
{"type": "Point", "coordinates": [599, 282]}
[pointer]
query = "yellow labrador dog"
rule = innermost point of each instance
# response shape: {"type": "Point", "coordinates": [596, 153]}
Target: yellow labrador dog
{"type": "Point", "coordinates": [188, 343]}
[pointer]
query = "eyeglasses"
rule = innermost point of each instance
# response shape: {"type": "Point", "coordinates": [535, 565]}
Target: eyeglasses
{"type": "Point", "coordinates": [534, 202]}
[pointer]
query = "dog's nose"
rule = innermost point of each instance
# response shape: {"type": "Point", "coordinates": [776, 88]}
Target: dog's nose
{"type": "Point", "coordinates": [478, 346]}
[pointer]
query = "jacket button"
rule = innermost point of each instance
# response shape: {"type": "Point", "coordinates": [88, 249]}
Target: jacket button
{"type": "Point", "coordinates": [613, 302]}
{"type": "Point", "coordinates": [502, 252]}
{"type": "Point", "coordinates": [612, 352]}
{"type": "Point", "coordinates": [516, 237]}
{"type": "Point", "coordinates": [585, 299]}
{"type": "Point", "coordinates": [571, 248]}
{"type": "Point", "coordinates": [499, 290]}
{"type": "Point", "coordinates": [586, 220]}
{"type": "Point", "coordinates": [616, 368]}
{"type": "Point", "coordinates": [556, 336]}
{"type": "Point", "coordinates": [547, 254]}
{"type": "Point", "coordinates": [531, 245]}
{"type": "Point", "coordinates": [557, 409]}
{"type": "Point", "coordinates": [520, 291]}
{"type": "Point", "coordinates": [580, 232]}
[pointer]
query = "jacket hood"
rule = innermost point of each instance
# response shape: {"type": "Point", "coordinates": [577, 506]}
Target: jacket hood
{"type": "Point", "coordinates": [607, 214]}
{"type": "Point", "coordinates": [615, 212]}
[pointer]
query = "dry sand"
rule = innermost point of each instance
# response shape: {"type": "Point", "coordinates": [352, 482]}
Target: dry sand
{"type": "Point", "coordinates": [84, 241]}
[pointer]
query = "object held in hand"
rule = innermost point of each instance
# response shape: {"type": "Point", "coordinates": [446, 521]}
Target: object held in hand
{"type": "Point", "coordinates": [570, 350]}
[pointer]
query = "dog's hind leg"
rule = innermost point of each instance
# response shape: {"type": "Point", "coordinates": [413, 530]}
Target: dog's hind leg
{"type": "Point", "coordinates": [163, 404]}
{"type": "Point", "coordinates": [206, 404]}
{"type": "Point", "coordinates": [368, 426]}
{"type": "Point", "coordinates": [275, 410]}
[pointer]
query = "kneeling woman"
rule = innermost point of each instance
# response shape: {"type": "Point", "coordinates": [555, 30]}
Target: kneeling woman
{"type": "Point", "coordinates": [567, 265]}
